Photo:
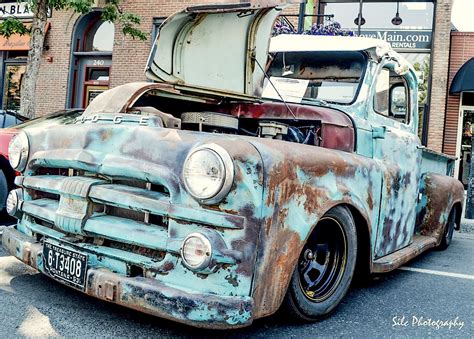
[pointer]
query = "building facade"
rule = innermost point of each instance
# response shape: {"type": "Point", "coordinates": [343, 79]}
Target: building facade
{"type": "Point", "coordinates": [84, 56]}
{"type": "Point", "coordinates": [460, 102]}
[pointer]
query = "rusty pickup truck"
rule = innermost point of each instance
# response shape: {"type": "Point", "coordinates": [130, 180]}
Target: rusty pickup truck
{"type": "Point", "coordinates": [248, 174]}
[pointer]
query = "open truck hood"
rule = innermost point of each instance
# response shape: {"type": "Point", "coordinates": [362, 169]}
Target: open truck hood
{"type": "Point", "coordinates": [217, 48]}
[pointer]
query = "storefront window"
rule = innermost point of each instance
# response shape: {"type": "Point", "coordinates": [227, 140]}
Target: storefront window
{"type": "Point", "coordinates": [12, 86]}
{"type": "Point", "coordinates": [103, 37]}
{"type": "Point", "coordinates": [415, 15]}
{"type": "Point", "coordinates": [467, 111]}
{"type": "Point", "coordinates": [411, 34]}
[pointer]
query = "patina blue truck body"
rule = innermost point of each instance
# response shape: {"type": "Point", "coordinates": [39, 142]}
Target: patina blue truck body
{"type": "Point", "coordinates": [112, 196]}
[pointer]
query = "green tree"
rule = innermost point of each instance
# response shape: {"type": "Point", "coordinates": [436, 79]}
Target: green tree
{"type": "Point", "coordinates": [112, 12]}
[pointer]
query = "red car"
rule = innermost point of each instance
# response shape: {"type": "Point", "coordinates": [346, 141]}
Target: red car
{"type": "Point", "coordinates": [8, 119]}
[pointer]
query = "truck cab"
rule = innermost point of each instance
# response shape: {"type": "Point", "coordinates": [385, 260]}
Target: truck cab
{"type": "Point", "coordinates": [246, 176]}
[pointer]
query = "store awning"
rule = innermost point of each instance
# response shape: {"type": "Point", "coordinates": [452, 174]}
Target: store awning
{"type": "Point", "coordinates": [17, 42]}
{"type": "Point", "coordinates": [464, 79]}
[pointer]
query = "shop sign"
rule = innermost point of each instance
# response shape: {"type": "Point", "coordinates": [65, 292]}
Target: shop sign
{"type": "Point", "coordinates": [416, 40]}
{"type": "Point", "coordinates": [93, 91]}
{"type": "Point", "coordinates": [19, 10]}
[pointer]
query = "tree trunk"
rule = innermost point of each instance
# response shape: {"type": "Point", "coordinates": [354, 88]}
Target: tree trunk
{"type": "Point", "coordinates": [28, 86]}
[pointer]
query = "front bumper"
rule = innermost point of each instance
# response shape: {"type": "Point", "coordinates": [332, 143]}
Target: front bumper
{"type": "Point", "coordinates": [145, 294]}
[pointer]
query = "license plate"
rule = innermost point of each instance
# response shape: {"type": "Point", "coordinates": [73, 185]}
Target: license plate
{"type": "Point", "coordinates": [65, 265]}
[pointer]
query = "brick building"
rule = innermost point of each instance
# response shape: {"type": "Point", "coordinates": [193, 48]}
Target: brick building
{"type": "Point", "coordinates": [82, 55]}
{"type": "Point", "coordinates": [460, 101]}
{"type": "Point", "coordinates": [70, 66]}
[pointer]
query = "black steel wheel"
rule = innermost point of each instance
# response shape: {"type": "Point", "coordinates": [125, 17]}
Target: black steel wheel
{"type": "Point", "coordinates": [448, 231]}
{"type": "Point", "coordinates": [325, 267]}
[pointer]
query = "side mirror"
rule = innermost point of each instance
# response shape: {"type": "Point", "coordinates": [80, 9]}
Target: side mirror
{"type": "Point", "coordinates": [398, 102]}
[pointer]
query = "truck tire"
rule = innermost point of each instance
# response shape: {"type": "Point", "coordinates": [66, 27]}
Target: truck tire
{"type": "Point", "coordinates": [448, 231]}
{"type": "Point", "coordinates": [325, 267]}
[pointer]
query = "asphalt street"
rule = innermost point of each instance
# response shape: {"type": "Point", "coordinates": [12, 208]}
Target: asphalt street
{"type": "Point", "coordinates": [431, 296]}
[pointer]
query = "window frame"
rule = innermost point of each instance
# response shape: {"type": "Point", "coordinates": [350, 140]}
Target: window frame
{"type": "Point", "coordinates": [366, 57]}
{"type": "Point", "coordinates": [408, 116]}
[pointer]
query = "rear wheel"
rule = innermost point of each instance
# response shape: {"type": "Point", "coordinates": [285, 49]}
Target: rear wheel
{"type": "Point", "coordinates": [448, 231]}
{"type": "Point", "coordinates": [325, 267]}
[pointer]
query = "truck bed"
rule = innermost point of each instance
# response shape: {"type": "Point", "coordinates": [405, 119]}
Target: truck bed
{"type": "Point", "coordinates": [436, 162]}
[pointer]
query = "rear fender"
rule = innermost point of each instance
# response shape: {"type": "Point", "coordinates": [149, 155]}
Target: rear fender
{"type": "Point", "coordinates": [437, 196]}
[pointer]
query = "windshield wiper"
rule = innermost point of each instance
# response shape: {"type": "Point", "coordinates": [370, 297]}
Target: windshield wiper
{"type": "Point", "coordinates": [276, 90]}
{"type": "Point", "coordinates": [315, 100]}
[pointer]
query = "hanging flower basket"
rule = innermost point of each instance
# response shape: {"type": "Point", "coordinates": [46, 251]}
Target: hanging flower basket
{"type": "Point", "coordinates": [331, 29]}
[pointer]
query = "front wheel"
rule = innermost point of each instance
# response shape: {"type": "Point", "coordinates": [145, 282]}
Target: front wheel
{"type": "Point", "coordinates": [325, 267]}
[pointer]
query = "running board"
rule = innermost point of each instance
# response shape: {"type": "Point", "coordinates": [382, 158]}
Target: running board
{"type": "Point", "coordinates": [388, 263]}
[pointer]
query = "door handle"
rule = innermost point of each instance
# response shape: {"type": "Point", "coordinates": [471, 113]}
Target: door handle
{"type": "Point", "coordinates": [379, 132]}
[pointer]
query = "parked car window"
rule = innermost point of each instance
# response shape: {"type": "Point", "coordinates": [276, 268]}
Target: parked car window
{"type": "Point", "coordinates": [63, 117]}
{"type": "Point", "coordinates": [10, 118]}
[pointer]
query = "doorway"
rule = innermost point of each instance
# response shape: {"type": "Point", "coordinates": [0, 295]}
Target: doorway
{"type": "Point", "coordinates": [466, 111]}
{"type": "Point", "coordinates": [91, 59]}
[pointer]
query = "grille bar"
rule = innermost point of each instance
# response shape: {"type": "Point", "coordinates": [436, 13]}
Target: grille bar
{"type": "Point", "coordinates": [44, 209]}
{"type": "Point", "coordinates": [44, 183]}
{"type": "Point", "coordinates": [114, 253]}
{"type": "Point", "coordinates": [139, 199]}
{"type": "Point", "coordinates": [133, 198]}
{"type": "Point", "coordinates": [128, 231]}
{"type": "Point", "coordinates": [107, 165]}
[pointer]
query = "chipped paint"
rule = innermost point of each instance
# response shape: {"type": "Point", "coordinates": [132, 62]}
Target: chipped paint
{"type": "Point", "coordinates": [113, 189]}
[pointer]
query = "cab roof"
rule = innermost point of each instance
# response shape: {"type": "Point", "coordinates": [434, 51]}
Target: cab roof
{"type": "Point", "coordinates": [377, 48]}
{"type": "Point", "coordinates": [306, 43]}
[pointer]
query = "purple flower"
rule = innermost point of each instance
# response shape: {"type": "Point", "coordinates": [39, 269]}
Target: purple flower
{"type": "Point", "coordinates": [331, 29]}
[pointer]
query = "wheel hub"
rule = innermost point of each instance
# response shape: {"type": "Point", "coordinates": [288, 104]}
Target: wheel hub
{"type": "Point", "coordinates": [322, 261]}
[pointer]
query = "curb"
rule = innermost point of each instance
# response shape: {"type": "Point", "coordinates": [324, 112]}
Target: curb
{"type": "Point", "coordinates": [467, 226]}
{"type": "Point", "coordinates": [466, 236]}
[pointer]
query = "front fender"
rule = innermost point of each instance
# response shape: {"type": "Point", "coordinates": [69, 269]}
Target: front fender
{"type": "Point", "coordinates": [301, 183]}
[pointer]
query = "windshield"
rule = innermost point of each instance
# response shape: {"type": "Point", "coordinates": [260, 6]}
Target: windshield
{"type": "Point", "coordinates": [315, 76]}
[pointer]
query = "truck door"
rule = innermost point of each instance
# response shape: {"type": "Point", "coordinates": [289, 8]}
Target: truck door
{"type": "Point", "coordinates": [396, 148]}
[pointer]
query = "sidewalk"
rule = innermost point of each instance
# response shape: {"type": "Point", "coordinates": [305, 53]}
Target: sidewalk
{"type": "Point", "coordinates": [467, 225]}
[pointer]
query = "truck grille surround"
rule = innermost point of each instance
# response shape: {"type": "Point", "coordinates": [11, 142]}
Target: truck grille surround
{"type": "Point", "coordinates": [82, 204]}
{"type": "Point", "coordinates": [125, 218]}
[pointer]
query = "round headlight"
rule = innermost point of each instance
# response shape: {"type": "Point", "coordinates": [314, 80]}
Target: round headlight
{"type": "Point", "coordinates": [18, 151]}
{"type": "Point", "coordinates": [196, 251]}
{"type": "Point", "coordinates": [13, 202]}
{"type": "Point", "coordinates": [208, 173]}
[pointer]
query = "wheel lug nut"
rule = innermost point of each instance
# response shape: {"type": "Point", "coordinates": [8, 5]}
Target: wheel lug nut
{"type": "Point", "coordinates": [309, 255]}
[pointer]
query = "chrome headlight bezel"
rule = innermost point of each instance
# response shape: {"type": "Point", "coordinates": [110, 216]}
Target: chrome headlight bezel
{"type": "Point", "coordinates": [228, 178]}
{"type": "Point", "coordinates": [17, 197]}
{"type": "Point", "coordinates": [207, 260]}
{"type": "Point", "coordinates": [19, 158]}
